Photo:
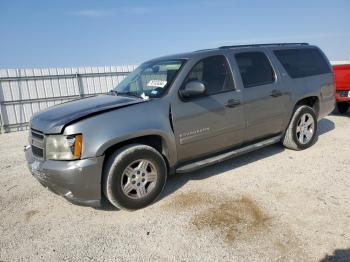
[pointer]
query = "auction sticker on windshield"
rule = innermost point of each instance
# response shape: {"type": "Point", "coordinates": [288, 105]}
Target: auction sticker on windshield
{"type": "Point", "coordinates": [157, 83]}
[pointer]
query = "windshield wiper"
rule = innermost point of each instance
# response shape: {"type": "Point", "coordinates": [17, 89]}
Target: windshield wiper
{"type": "Point", "coordinates": [127, 94]}
{"type": "Point", "coordinates": [112, 92]}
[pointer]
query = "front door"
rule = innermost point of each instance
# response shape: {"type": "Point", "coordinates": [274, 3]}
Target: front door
{"type": "Point", "coordinates": [213, 122]}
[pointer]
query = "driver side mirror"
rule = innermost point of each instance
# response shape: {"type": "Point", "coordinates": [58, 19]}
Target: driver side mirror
{"type": "Point", "coordinates": [193, 89]}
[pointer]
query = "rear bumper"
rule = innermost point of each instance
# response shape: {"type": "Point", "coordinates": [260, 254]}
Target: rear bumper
{"type": "Point", "coordinates": [78, 181]}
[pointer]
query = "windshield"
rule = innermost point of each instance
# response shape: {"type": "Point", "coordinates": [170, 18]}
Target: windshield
{"type": "Point", "coordinates": [150, 79]}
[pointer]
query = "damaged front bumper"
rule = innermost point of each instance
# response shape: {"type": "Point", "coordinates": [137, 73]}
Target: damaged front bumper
{"type": "Point", "coordinates": [78, 181]}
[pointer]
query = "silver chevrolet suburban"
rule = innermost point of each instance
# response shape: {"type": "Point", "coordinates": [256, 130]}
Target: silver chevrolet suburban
{"type": "Point", "coordinates": [176, 114]}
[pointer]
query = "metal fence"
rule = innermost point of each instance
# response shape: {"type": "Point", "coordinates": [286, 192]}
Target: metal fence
{"type": "Point", "coordinates": [26, 91]}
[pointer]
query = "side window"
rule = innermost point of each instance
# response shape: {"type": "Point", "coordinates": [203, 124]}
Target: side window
{"type": "Point", "coordinates": [255, 69]}
{"type": "Point", "coordinates": [214, 72]}
{"type": "Point", "coordinates": [302, 62]}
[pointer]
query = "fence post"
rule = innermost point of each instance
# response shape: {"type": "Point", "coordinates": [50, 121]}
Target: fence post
{"type": "Point", "coordinates": [80, 86]}
{"type": "Point", "coordinates": [21, 109]}
{"type": "Point", "coordinates": [2, 130]}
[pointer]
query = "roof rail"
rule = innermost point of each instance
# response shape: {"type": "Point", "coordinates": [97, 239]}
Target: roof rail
{"type": "Point", "coordinates": [256, 45]}
{"type": "Point", "coordinates": [207, 49]}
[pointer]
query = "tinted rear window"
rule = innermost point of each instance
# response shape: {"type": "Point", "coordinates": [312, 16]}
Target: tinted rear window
{"type": "Point", "coordinates": [302, 62]}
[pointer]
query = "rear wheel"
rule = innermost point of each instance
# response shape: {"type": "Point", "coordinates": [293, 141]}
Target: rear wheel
{"type": "Point", "coordinates": [301, 132]}
{"type": "Point", "coordinates": [134, 176]}
{"type": "Point", "coordinates": [343, 107]}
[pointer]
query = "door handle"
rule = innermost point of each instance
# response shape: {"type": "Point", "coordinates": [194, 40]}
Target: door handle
{"type": "Point", "coordinates": [276, 93]}
{"type": "Point", "coordinates": [232, 103]}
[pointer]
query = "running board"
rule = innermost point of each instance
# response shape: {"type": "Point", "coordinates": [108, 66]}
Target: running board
{"type": "Point", "coordinates": [222, 157]}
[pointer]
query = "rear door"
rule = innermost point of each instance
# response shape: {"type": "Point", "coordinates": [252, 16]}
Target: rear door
{"type": "Point", "coordinates": [265, 100]}
{"type": "Point", "coordinates": [213, 122]}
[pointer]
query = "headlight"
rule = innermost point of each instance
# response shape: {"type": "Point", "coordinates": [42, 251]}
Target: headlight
{"type": "Point", "coordinates": [60, 147]}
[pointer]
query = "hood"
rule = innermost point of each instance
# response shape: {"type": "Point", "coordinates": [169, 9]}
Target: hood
{"type": "Point", "coordinates": [54, 119]}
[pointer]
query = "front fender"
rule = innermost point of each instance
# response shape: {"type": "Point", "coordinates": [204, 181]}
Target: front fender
{"type": "Point", "coordinates": [168, 141]}
{"type": "Point", "coordinates": [105, 130]}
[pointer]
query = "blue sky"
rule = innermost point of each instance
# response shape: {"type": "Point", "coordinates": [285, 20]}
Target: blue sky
{"type": "Point", "coordinates": [90, 33]}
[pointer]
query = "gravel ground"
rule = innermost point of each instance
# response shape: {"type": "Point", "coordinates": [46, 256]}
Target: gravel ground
{"type": "Point", "coordinates": [270, 205]}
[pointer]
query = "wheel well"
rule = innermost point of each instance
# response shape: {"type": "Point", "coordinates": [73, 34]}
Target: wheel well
{"type": "Point", "coordinates": [151, 140]}
{"type": "Point", "coordinates": [311, 101]}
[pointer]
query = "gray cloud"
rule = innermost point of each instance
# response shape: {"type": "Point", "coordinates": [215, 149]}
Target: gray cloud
{"type": "Point", "coordinates": [91, 13]}
{"type": "Point", "coordinates": [96, 13]}
{"type": "Point", "coordinates": [277, 39]}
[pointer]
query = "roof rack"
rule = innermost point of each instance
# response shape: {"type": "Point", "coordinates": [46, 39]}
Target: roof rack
{"type": "Point", "coordinates": [207, 49]}
{"type": "Point", "coordinates": [256, 45]}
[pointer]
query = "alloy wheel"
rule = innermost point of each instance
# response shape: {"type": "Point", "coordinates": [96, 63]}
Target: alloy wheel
{"type": "Point", "coordinates": [305, 128]}
{"type": "Point", "coordinates": [139, 178]}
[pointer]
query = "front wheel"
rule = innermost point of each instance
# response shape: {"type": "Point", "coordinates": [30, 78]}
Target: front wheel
{"type": "Point", "coordinates": [134, 176]}
{"type": "Point", "coordinates": [301, 132]}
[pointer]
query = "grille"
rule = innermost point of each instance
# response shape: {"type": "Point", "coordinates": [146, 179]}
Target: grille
{"type": "Point", "coordinates": [37, 135]}
{"type": "Point", "coordinates": [38, 151]}
{"type": "Point", "coordinates": [37, 142]}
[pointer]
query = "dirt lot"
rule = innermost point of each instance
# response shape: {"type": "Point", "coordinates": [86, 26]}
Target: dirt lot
{"type": "Point", "coordinates": [269, 205]}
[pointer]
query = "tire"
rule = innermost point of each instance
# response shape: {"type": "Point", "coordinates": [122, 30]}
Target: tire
{"type": "Point", "coordinates": [128, 176]}
{"type": "Point", "coordinates": [291, 138]}
{"type": "Point", "coordinates": [343, 107]}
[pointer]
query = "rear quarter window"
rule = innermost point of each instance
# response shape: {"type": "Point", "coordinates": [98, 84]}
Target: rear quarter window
{"type": "Point", "coordinates": [303, 62]}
